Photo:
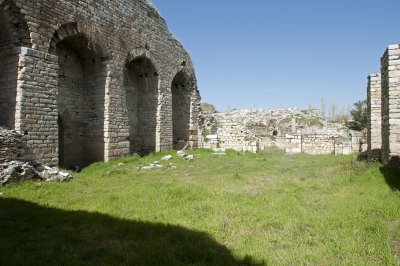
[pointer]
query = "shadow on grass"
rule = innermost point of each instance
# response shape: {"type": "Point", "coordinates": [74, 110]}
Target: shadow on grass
{"type": "Point", "coordinates": [392, 177]}
{"type": "Point", "coordinates": [35, 235]}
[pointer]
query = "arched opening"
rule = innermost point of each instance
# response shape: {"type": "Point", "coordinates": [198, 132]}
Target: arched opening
{"type": "Point", "coordinates": [82, 77]}
{"type": "Point", "coordinates": [181, 100]}
{"type": "Point", "coordinates": [141, 86]}
{"type": "Point", "coordinates": [275, 133]}
{"type": "Point", "coordinates": [14, 33]}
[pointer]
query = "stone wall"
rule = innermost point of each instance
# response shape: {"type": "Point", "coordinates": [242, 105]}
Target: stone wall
{"type": "Point", "coordinates": [92, 80]}
{"type": "Point", "coordinates": [291, 130]}
{"type": "Point", "coordinates": [390, 71]}
{"type": "Point", "coordinates": [374, 110]}
{"type": "Point", "coordinates": [11, 145]}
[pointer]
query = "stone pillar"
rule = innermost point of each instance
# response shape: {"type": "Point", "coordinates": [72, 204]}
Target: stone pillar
{"type": "Point", "coordinates": [374, 106]}
{"type": "Point", "coordinates": [194, 115]}
{"type": "Point", "coordinates": [36, 109]}
{"type": "Point", "coordinates": [164, 140]}
{"type": "Point", "coordinates": [390, 71]}
{"type": "Point", "coordinates": [116, 131]}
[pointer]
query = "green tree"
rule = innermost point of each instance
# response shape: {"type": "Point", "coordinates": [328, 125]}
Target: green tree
{"type": "Point", "coordinates": [208, 108]}
{"type": "Point", "coordinates": [359, 116]}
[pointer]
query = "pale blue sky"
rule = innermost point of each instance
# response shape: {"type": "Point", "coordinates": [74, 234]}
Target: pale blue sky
{"type": "Point", "coordinates": [283, 53]}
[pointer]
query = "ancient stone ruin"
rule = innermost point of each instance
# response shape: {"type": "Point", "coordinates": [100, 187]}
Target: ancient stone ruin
{"type": "Point", "coordinates": [292, 130]}
{"type": "Point", "coordinates": [88, 81]}
{"type": "Point", "coordinates": [384, 109]}
{"type": "Point", "coordinates": [374, 131]}
{"type": "Point", "coordinates": [12, 168]}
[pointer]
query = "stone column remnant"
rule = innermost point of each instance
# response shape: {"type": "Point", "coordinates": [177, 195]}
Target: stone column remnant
{"type": "Point", "coordinates": [374, 106]}
{"type": "Point", "coordinates": [390, 71]}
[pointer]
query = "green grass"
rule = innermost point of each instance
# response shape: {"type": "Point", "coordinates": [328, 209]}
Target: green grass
{"type": "Point", "coordinates": [240, 209]}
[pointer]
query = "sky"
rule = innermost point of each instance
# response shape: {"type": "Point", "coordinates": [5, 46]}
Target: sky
{"type": "Point", "coordinates": [283, 53]}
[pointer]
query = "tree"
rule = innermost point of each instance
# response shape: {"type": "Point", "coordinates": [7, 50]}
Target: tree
{"type": "Point", "coordinates": [208, 108]}
{"type": "Point", "coordinates": [359, 116]}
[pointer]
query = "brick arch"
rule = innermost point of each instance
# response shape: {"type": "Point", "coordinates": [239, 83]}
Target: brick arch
{"type": "Point", "coordinates": [181, 69]}
{"type": "Point", "coordinates": [143, 53]}
{"type": "Point", "coordinates": [14, 23]}
{"type": "Point", "coordinates": [73, 29]}
{"type": "Point", "coordinates": [182, 88]}
{"type": "Point", "coordinates": [141, 85]}
{"type": "Point", "coordinates": [81, 96]}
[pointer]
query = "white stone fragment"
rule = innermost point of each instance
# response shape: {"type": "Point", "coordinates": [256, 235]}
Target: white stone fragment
{"type": "Point", "coordinates": [167, 158]}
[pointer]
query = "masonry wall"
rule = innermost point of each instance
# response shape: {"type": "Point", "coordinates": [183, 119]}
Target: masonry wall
{"type": "Point", "coordinates": [374, 110]}
{"type": "Point", "coordinates": [114, 33]}
{"type": "Point", "coordinates": [310, 143]}
{"type": "Point", "coordinates": [8, 75]}
{"type": "Point", "coordinates": [390, 71]}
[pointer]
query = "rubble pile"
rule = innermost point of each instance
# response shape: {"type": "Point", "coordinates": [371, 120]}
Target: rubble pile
{"type": "Point", "coordinates": [11, 171]}
{"type": "Point", "coordinates": [12, 168]}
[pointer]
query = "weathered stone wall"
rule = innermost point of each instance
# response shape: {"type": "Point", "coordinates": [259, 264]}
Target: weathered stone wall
{"type": "Point", "coordinates": [314, 144]}
{"type": "Point", "coordinates": [291, 130]}
{"type": "Point", "coordinates": [70, 95]}
{"type": "Point", "coordinates": [11, 145]}
{"type": "Point", "coordinates": [390, 71]}
{"type": "Point", "coordinates": [374, 110]}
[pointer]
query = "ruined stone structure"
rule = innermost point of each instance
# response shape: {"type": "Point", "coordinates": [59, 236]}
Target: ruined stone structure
{"type": "Point", "coordinates": [390, 71]}
{"type": "Point", "coordinates": [291, 130]}
{"type": "Point", "coordinates": [374, 106]}
{"type": "Point", "coordinates": [88, 80]}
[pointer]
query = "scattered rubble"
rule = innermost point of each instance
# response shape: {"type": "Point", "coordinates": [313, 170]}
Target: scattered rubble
{"type": "Point", "coordinates": [12, 171]}
{"type": "Point", "coordinates": [167, 158]}
{"type": "Point", "coordinates": [181, 153]}
{"type": "Point", "coordinates": [185, 156]}
{"type": "Point", "coordinates": [189, 157]}
{"type": "Point", "coordinates": [154, 165]}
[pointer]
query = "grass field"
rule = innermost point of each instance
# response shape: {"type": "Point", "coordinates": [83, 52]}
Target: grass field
{"type": "Point", "coordinates": [269, 208]}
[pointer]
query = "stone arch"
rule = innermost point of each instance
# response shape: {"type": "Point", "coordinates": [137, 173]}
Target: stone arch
{"type": "Point", "coordinates": [181, 90]}
{"type": "Point", "coordinates": [81, 97]}
{"type": "Point", "coordinates": [141, 85]}
{"type": "Point", "coordinates": [14, 33]}
{"type": "Point", "coordinates": [181, 68]}
{"type": "Point", "coordinates": [143, 53]}
{"type": "Point", "coordinates": [72, 29]}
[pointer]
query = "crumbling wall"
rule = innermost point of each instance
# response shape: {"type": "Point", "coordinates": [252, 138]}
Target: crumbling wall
{"type": "Point", "coordinates": [11, 144]}
{"type": "Point", "coordinates": [390, 71]}
{"type": "Point", "coordinates": [291, 130]}
{"type": "Point", "coordinates": [63, 80]}
{"type": "Point", "coordinates": [374, 111]}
